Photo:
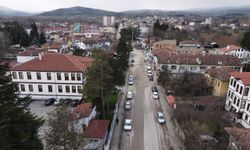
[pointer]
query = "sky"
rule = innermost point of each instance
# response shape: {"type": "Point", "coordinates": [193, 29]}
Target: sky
{"type": "Point", "coordinates": [119, 5]}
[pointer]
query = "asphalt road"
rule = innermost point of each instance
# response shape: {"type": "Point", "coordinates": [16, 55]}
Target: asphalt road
{"type": "Point", "coordinates": [147, 133]}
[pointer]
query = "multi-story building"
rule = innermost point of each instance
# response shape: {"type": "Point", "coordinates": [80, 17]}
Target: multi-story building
{"type": "Point", "coordinates": [237, 51]}
{"type": "Point", "coordinates": [51, 75]}
{"type": "Point", "coordinates": [238, 97]}
{"type": "Point", "coordinates": [108, 20]}
{"type": "Point", "coordinates": [218, 80]}
{"type": "Point", "coordinates": [180, 63]}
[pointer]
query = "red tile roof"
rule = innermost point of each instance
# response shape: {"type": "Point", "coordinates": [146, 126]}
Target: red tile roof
{"type": "Point", "coordinates": [56, 63]}
{"type": "Point", "coordinates": [191, 59]}
{"type": "Point", "coordinates": [97, 129]}
{"type": "Point", "coordinates": [230, 48]}
{"type": "Point", "coordinates": [82, 111]}
{"type": "Point", "coordinates": [243, 76]}
{"type": "Point", "coordinates": [171, 100]}
{"type": "Point", "coordinates": [240, 135]}
{"type": "Point", "coordinates": [220, 73]}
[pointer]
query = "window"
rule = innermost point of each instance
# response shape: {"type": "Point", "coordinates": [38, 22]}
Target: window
{"type": "Point", "coordinates": [78, 76]}
{"type": "Point", "coordinates": [234, 83]}
{"type": "Point", "coordinates": [237, 87]}
{"type": "Point", "coordinates": [173, 67]}
{"type": "Point", "coordinates": [14, 76]}
{"type": "Point", "coordinates": [22, 87]}
{"type": "Point", "coordinates": [248, 106]}
{"type": "Point", "coordinates": [31, 88]}
{"type": "Point", "coordinates": [79, 89]}
{"type": "Point", "coordinates": [234, 99]}
{"type": "Point", "coordinates": [229, 92]}
{"type": "Point", "coordinates": [73, 89]}
{"type": "Point", "coordinates": [38, 75]}
{"type": "Point", "coordinates": [59, 76]}
{"type": "Point", "coordinates": [182, 67]}
{"type": "Point", "coordinates": [246, 92]}
{"type": "Point", "coordinates": [73, 77]}
{"type": "Point", "coordinates": [40, 88]}
{"type": "Point", "coordinates": [66, 76]}
{"type": "Point", "coordinates": [193, 68]}
{"type": "Point", "coordinates": [28, 75]}
{"type": "Point", "coordinates": [238, 102]}
{"type": "Point", "coordinates": [246, 117]}
{"type": "Point", "coordinates": [50, 88]}
{"type": "Point", "coordinates": [241, 89]}
{"type": "Point", "coordinates": [231, 81]}
{"type": "Point", "coordinates": [20, 74]}
{"type": "Point", "coordinates": [48, 76]}
{"type": "Point", "coordinates": [218, 83]}
{"type": "Point", "coordinates": [67, 89]}
{"type": "Point", "coordinates": [59, 88]}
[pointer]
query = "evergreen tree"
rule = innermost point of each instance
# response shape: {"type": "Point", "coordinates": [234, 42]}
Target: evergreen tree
{"type": "Point", "coordinates": [42, 38]}
{"type": "Point", "coordinates": [34, 35]}
{"type": "Point", "coordinates": [18, 126]}
{"type": "Point", "coordinates": [245, 43]}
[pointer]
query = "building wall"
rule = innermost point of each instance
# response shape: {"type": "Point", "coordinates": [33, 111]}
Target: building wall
{"type": "Point", "coordinates": [70, 88]}
{"type": "Point", "coordinates": [181, 68]}
{"type": "Point", "coordinates": [22, 59]}
{"type": "Point", "coordinates": [238, 100]}
{"type": "Point", "coordinates": [220, 88]}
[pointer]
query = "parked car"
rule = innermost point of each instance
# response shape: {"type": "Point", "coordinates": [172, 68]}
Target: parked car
{"type": "Point", "coordinates": [155, 95]}
{"type": "Point", "coordinates": [49, 102]}
{"type": "Point", "coordinates": [169, 92]}
{"type": "Point", "coordinates": [151, 78]}
{"type": "Point", "coordinates": [75, 102]}
{"type": "Point", "coordinates": [130, 95]}
{"type": "Point", "coordinates": [128, 125]}
{"type": "Point", "coordinates": [149, 73]}
{"type": "Point", "coordinates": [149, 67]}
{"type": "Point", "coordinates": [67, 101]}
{"type": "Point", "coordinates": [154, 89]}
{"type": "Point", "coordinates": [127, 105]}
{"type": "Point", "coordinates": [160, 117]}
{"type": "Point", "coordinates": [130, 80]}
{"type": "Point", "coordinates": [58, 102]}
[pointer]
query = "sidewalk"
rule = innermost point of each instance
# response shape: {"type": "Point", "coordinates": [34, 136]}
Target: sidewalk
{"type": "Point", "coordinates": [172, 136]}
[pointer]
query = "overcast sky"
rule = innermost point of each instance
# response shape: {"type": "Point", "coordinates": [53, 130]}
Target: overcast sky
{"type": "Point", "coordinates": [119, 5]}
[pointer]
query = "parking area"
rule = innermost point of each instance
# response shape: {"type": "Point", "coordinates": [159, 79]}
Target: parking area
{"type": "Point", "coordinates": [38, 108]}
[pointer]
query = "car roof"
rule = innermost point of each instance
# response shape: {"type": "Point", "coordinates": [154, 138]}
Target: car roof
{"type": "Point", "coordinates": [127, 102]}
{"type": "Point", "coordinates": [160, 113]}
{"type": "Point", "coordinates": [129, 92]}
{"type": "Point", "coordinates": [128, 120]}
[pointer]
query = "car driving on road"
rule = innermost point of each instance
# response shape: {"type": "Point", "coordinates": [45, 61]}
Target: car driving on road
{"type": "Point", "coordinates": [128, 125]}
{"type": "Point", "coordinates": [160, 117]}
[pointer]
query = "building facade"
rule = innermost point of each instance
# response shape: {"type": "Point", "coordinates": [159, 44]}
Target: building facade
{"type": "Point", "coordinates": [241, 53]}
{"type": "Point", "coordinates": [51, 76]}
{"type": "Point", "coordinates": [238, 97]}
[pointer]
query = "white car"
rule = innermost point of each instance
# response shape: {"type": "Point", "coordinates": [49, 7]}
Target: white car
{"type": "Point", "coordinates": [130, 95]}
{"type": "Point", "coordinates": [130, 80]}
{"type": "Point", "coordinates": [155, 95]}
{"type": "Point", "coordinates": [160, 117]}
{"type": "Point", "coordinates": [149, 67]}
{"type": "Point", "coordinates": [149, 72]}
{"type": "Point", "coordinates": [58, 102]}
{"type": "Point", "coordinates": [128, 125]}
{"type": "Point", "coordinates": [127, 105]}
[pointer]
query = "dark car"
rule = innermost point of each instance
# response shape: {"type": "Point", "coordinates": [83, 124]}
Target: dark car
{"type": "Point", "coordinates": [67, 101]}
{"type": "Point", "coordinates": [151, 78]}
{"type": "Point", "coordinates": [75, 102]}
{"type": "Point", "coordinates": [49, 102]}
{"type": "Point", "coordinates": [154, 89]}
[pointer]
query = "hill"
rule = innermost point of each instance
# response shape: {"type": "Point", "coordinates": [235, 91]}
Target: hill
{"type": "Point", "coordinates": [76, 11]}
{"type": "Point", "coordinates": [4, 11]}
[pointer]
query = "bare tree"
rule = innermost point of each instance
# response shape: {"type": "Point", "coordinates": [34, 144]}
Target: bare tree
{"type": "Point", "coordinates": [61, 133]}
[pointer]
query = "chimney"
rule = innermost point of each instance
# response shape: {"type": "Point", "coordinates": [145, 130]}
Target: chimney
{"type": "Point", "coordinates": [40, 56]}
